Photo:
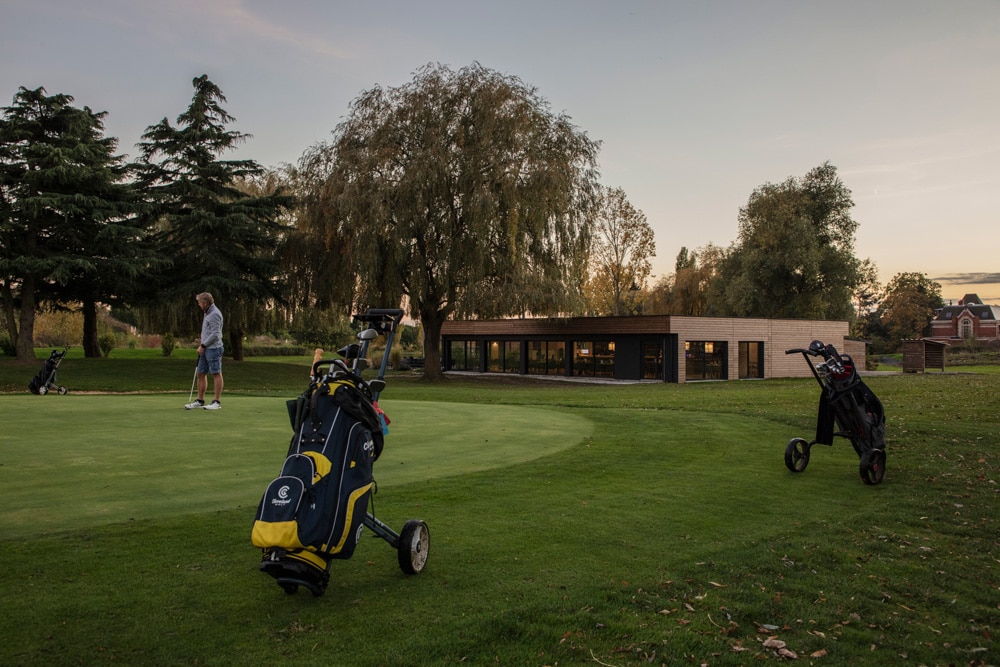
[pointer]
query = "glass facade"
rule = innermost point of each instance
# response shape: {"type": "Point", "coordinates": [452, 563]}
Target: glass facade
{"type": "Point", "coordinates": [652, 359]}
{"type": "Point", "coordinates": [504, 356]}
{"type": "Point", "coordinates": [751, 359]}
{"type": "Point", "coordinates": [594, 358]}
{"type": "Point", "coordinates": [463, 355]}
{"type": "Point", "coordinates": [546, 357]}
{"type": "Point", "coordinates": [705, 360]}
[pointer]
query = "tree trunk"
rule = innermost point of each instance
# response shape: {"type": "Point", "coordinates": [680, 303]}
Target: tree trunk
{"type": "Point", "coordinates": [9, 316]}
{"type": "Point", "coordinates": [91, 341]}
{"type": "Point", "coordinates": [432, 321]}
{"type": "Point", "coordinates": [24, 346]}
{"type": "Point", "coordinates": [236, 343]}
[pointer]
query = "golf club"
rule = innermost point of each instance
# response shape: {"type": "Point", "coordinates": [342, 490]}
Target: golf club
{"type": "Point", "coordinates": [191, 393]}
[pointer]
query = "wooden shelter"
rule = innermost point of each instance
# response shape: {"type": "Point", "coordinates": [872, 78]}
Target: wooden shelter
{"type": "Point", "coordinates": [919, 354]}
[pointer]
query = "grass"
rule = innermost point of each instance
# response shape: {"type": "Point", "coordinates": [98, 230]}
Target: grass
{"type": "Point", "coordinates": [594, 524]}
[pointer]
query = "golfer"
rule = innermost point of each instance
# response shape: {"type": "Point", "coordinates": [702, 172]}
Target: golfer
{"type": "Point", "coordinates": [209, 353]}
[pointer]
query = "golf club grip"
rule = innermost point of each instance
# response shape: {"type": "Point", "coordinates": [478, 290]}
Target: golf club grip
{"type": "Point", "coordinates": [317, 355]}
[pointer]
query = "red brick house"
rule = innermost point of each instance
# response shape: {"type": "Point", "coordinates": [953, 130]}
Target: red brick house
{"type": "Point", "coordinates": [970, 318]}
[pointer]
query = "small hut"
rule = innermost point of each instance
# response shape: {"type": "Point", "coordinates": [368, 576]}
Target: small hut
{"type": "Point", "coordinates": [922, 353]}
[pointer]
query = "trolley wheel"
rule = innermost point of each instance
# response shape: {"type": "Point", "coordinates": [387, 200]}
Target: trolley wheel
{"type": "Point", "coordinates": [414, 541]}
{"type": "Point", "coordinates": [872, 467]}
{"type": "Point", "coordinates": [62, 391]}
{"type": "Point", "coordinates": [797, 454]}
{"type": "Point", "coordinates": [43, 390]}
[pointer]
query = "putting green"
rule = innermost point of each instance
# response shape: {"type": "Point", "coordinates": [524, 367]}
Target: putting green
{"type": "Point", "coordinates": [68, 462]}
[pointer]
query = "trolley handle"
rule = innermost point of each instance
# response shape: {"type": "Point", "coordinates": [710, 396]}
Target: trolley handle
{"type": "Point", "coordinates": [384, 320]}
{"type": "Point", "coordinates": [832, 361]}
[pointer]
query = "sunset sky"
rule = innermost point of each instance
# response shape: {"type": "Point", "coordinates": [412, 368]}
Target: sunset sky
{"type": "Point", "coordinates": [696, 103]}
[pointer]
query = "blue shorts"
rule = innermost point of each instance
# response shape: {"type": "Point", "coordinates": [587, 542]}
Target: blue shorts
{"type": "Point", "coordinates": [211, 361]}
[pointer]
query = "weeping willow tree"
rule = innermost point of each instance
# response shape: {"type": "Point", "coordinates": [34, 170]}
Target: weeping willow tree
{"type": "Point", "coordinates": [459, 194]}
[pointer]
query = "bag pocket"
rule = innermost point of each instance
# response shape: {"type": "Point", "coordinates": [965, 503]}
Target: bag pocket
{"type": "Point", "coordinates": [276, 523]}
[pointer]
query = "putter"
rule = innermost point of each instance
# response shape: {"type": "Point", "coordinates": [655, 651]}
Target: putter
{"type": "Point", "coordinates": [191, 393]}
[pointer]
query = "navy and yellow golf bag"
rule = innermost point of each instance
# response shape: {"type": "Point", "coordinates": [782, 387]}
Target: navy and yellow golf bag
{"type": "Point", "coordinates": [315, 511]}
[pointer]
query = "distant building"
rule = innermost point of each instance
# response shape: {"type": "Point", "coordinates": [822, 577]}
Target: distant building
{"type": "Point", "coordinates": [668, 348]}
{"type": "Point", "coordinates": [970, 318]}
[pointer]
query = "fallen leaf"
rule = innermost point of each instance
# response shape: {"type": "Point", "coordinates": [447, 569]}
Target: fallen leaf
{"type": "Point", "coordinates": [818, 654]}
{"type": "Point", "coordinates": [771, 642]}
{"type": "Point", "coordinates": [787, 653]}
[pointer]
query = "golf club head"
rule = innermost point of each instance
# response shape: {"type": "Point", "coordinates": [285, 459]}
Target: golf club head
{"type": "Point", "coordinates": [350, 351]}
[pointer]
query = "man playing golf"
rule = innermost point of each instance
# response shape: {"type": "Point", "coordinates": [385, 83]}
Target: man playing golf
{"type": "Point", "coordinates": [209, 354]}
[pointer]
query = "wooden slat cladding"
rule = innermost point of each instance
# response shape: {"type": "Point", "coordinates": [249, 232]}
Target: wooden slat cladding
{"type": "Point", "coordinates": [571, 326]}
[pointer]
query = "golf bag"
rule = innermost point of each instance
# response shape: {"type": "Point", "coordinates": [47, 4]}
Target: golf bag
{"type": "Point", "coordinates": [848, 409]}
{"type": "Point", "coordinates": [45, 380]}
{"type": "Point", "coordinates": [315, 511]}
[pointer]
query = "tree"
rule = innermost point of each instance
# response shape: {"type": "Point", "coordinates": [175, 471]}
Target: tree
{"type": "Point", "coordinates": [462, 193]}
{"type": "Point", "coordinates": [866, 298]}
{"type": "Point", "coordinates": [67, 223]}
{"type": "Point", "coordinates": [619, 257]}
{"type": "Point", "coordinates": [689, 289]}
{"type": "Point", "coordinates": [222, 238]}
{"type": "Point", "coordinates": [794, 257]}
{"type": "Point", "coordinates": [908, 305]}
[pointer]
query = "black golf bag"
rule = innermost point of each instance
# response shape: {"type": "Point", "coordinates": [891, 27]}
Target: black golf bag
{"type": "Point", "coordinates": [847, 408]}
{"type": "Point", "coordinates": [315, 511]}
{"type": "Point", "coordinates": [45, 380]}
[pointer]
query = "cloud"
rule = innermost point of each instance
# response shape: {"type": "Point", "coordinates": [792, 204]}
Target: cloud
{"type": "Point", "coordinates": [241, 21]}
{"type": "Point", "coordinates": [969, 278]}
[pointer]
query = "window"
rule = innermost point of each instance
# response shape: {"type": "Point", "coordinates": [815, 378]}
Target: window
{"type": "Point", "coordinates": [463, 355]}
{"type": "Point", "coordinates": [751, 359]}
{"type": "Point", "coordinates": [652, 359]}
{"type": "Point", "coordinates": [504, 356]}
{"type": "Point", "coordinates": [705, 360]}
{"type": "Point", "coordinates": [965, 329]}
{"type": "Point", "coordinates": [546, 357]}
{"type": "Point", "coordinates": [594, 358]}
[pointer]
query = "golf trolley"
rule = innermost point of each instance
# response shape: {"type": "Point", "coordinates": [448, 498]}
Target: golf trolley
{"type": "Point", "coordinates": [45, 380]}
{"type": "Point", "coordinates": [848, 403]}
{"type": "Point", "coordinates": [316, 509]}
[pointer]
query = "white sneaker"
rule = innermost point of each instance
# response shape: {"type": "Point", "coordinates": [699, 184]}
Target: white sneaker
{"type": "Point", "coordinates": [214, 405]}
{"type": "Point", "coordinates": [195, 404]}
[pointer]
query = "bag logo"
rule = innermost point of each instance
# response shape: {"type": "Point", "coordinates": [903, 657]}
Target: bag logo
{"type": "Point", "coordinates": [282, 498]}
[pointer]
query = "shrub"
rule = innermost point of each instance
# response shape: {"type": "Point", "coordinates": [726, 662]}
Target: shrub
{"type": "Point", "coordinates": [107, 342]}
{"type": "Point", "coordinates": [274, 350]}
{"type": "Point", "coordinates": [6, 345]}
{"type": "Point", "coordinates": [396, 358]}
{"type": "Point", "coordinates": [167, 344]}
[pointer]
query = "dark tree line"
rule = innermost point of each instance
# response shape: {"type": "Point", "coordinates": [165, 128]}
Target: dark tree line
{"type": "Point", "coordinates": [78, 224]}
{"type": "Point", "coordinates": [459, 194]}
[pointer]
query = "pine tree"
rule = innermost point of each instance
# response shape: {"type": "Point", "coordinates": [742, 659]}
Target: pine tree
{"type": "Point", "coordinates": [221, 238]}
{"type": "Point", "coordinates": [67, 225]}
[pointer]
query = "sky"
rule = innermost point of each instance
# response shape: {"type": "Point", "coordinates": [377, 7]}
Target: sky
{"type": "Point", "coordinates": [696, 103]}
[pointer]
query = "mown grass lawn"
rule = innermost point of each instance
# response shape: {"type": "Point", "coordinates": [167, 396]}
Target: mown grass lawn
{"type": "Point", "coordinates": [570, 524]}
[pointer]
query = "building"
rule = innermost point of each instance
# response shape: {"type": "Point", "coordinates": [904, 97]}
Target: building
{"type": "Point", "coordinates": [970, 318]}
{"type": "Point", "coordinates": [668, 348]}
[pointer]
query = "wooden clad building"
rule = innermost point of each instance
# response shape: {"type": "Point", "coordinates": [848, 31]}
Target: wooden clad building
{"type": "Point", "coordinates": [668, 348]}
{"type": "Point", "coordinates": [923, 353]}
